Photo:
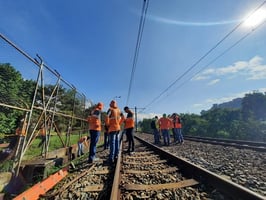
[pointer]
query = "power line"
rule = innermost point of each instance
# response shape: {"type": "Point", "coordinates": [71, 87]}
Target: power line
{"type": "Point", "coordinates": [139, 38]}
{"type": "Point", "coordinates": [220, 55]}
{"type": "Point", "coordinates": [204, 56]}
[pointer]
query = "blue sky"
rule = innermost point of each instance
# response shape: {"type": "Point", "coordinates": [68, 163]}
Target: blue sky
{"type": "Point", "coordinates": [92, 45]}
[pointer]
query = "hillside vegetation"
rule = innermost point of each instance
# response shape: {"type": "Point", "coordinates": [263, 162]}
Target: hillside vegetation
{"type": "Point", "coordinates": [240, 119]}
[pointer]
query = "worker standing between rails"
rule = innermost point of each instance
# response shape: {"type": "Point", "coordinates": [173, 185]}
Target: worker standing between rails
{"type": "Point", "coordinates": [82, 141]}
{"type": "Point", "coordinates": [129, 128]}
{"type": "Point", "coordinates": [175, 126]}
{"type": "Point", "coordinates": [179, 130]}
{"type": "Point", "coordinates": [165, 125]}
{"type": "Point", "coordinates": [113, 121]}
{"type": "Point", "coordinates": [155, 129]}
{"type": "Point", "coordinates": [94, 121]}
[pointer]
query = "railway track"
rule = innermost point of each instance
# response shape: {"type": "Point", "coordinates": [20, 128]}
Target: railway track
{"type": "Point", "coordinates": [257, 146]}
{"type": "Point", "coordinates": [85, 181]}
{"type": "Point", "coordinates": [242, 166]}
{"type": "Point", "coordinates": [149, 173]}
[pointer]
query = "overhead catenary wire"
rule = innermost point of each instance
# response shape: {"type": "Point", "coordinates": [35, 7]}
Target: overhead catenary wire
{"type": "Point", "coordinates": [219, 56]}
{"type": "Point", "coordinates": [139, 38]}
{"type": "Point", "coordinates": [202, 57]}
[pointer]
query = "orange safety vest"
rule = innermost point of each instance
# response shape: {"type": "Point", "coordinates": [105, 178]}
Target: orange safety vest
{"type": "Point", "coordinates": [129, 121]}
{"type": "Point", "coordinates": [176, 122]}
{"type": "Point", "coordinates": [21, 131]}
{"type": "Point", "coordinates": [42, 131]}
{"type": "Point", "coordinates": [172, 123]}
{"type": "Point", "coordinates": [165, 123]}
{"type": "Point", "coordinates": [95, 120]}
{"type": "Point", "coordinates": [113, 120]}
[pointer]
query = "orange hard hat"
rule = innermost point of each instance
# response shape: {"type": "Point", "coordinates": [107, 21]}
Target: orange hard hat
{"type": "Point", "coordinates": [113, 104]}
{"type": "Point", "coordinates": [100, 105]}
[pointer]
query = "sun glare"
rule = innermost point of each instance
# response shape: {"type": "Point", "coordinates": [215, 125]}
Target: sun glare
{"type": "Point", "coordinates": [256, 18]}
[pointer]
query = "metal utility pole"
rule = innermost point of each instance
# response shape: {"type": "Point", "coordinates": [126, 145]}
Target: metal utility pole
{"type": "Point", "coordinates": [136, 117]}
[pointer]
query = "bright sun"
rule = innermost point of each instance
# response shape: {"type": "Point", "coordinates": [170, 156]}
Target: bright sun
{"type": "Point", "coordinates": [256, 18]}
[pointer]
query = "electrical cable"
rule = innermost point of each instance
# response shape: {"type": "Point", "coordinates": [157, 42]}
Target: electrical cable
{"type": "Point", "coordinates": [220, 55]}
{"type": "Point", "coordinates": [139, 38]}
{"type": "Point", "coordinates": [202, 57]}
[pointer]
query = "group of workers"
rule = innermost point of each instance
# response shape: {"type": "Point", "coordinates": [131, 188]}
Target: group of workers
{"type": "Point", "coordinates": [112, 127]}
{"type": "Point", "coordinates": [164, 125]}
{"type": "Point", "coordinates": [113, 122]}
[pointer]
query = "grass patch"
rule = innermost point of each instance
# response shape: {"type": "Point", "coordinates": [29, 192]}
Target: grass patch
{"type": "Point", "coordinates": [6, 166]}
{"type": "Point", "coordinates": [55, 143]}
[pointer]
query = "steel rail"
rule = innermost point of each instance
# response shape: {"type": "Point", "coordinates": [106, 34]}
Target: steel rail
{"type": "Point", "coordinates": [254, 143]}
{"type": "Point", "coordinates": [200, 174]}
{"type": "Point", "coordinates": [65, 186]}
{"type": "Point", "coordinates": [257, 146]}
{"type": "Point", "coordinates": [115, 194]}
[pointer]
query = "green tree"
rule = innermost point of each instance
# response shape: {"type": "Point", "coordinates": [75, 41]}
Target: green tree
{"type": "Point", "coordinates": [253, 106]}
{"type": "Point", "coordinates": [146, 125]}
{"type": "Point", "coordinates": [193, 124]}
{"type": "Point", "coordinates": [10, 86]}
{"type": "Point", "coordinates": [219, 121]}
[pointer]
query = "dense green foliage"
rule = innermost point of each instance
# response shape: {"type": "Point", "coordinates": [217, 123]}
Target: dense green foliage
{"type": "Point", "coordinates": [246, 123]}
{"type": "Point", "coordinates": [11, 84]}
{"type": "Point", "coordinates": [16, 92]}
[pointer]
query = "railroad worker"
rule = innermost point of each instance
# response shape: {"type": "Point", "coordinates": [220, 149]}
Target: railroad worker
{"type": "Point", "coordinates": [174, 119]}
{"type": "Point", "coordinates": [21, 129]}
{"type": "Point", "coordinates": [180, 137]}
{"type": "Point", "coordinates": [113, 120]}
{"type": "Point", "coordinates": [42, 134]}
{"type": "Point", "coordinates": [155, 129]}
{"type": "Point", "coordinates": [129, 128]}
{"type": "Point", "coordinates": [171, 129]}
{"type": "Point", "coordinates": [81, 142]}
{"type": "Point", "coordinates": [165, 125]}
{"type": "Point", "coordinates": [94, 121]}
